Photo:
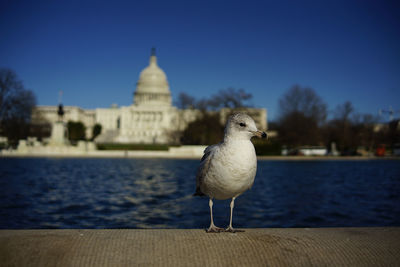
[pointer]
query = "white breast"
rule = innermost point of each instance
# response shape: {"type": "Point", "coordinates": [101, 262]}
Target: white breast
{"type": "Point", "coordinates": [232, 170]}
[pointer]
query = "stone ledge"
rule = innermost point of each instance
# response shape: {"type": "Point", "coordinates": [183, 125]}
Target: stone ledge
{"type": "Point", "coordinates": [184, 247]}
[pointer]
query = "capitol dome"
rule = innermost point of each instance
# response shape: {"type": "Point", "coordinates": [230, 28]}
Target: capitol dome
{"type": "Point", "coordinates": [152, 87]}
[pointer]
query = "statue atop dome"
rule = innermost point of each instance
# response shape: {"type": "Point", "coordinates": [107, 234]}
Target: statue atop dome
{"type": "Point", "coordinates": [152, 87]}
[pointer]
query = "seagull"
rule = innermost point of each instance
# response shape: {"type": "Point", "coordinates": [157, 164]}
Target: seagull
{"type": "Point", "coordinates": [227, 169]}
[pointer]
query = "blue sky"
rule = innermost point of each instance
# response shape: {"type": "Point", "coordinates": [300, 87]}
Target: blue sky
{"type": "Point", "coordinates": [95, 50]}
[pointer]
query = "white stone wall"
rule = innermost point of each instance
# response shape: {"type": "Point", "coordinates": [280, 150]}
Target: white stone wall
{"type": "Point", "coordinates": [145, 124]}
{"type": "Point", "coordinates": [138, 124]}
{"type": "Point", "coordinates": [108, 118]}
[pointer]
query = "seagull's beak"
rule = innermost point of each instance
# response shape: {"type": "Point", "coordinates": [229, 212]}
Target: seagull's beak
{"type": "Point", "coordinates": [260, 134]}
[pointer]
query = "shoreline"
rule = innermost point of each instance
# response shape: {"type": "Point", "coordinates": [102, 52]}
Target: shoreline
{"type": "Point", "coordinates": [165, 155]}
{"type": "Point", "coordinates": [325, 158]}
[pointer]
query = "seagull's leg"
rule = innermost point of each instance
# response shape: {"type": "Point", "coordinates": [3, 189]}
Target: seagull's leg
{"type": "Point", "coordinates": [230, 228]}
{"type": "Point", "coordinates": [213, 228]}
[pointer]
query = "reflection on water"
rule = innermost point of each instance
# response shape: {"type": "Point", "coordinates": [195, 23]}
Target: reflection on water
{"type": "Point", "coordinates": [157, 193]}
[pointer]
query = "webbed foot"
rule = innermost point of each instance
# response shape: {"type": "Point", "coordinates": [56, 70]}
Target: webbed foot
{"type": "Point", "coordinates": [214, 229]}
{"type": "Point", "coordinates": [231, 230]}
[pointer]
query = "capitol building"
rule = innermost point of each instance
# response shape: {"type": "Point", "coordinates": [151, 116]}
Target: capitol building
{"type": "Point", "coordinates": [150, 119]}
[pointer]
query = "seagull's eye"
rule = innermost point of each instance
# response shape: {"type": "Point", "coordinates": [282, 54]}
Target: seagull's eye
{"type": "Point", "coordinates": [242, 124]}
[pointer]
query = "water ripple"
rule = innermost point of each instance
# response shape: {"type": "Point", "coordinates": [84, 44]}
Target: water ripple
{"type": "Point", "coordinates": [157, 193]}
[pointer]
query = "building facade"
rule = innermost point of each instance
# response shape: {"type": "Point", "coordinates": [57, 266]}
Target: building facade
{"type": "Point", "coordinates": [151, 119]}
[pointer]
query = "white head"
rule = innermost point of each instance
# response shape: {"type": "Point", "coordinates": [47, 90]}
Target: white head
{"type": "Point", "coordinates": [242, 126]}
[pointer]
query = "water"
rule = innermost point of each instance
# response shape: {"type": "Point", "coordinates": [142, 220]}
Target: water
{"type": "Point", "coordinates": [157, 193]}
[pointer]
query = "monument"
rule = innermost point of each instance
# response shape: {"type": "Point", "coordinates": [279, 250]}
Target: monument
{"type": "Point", "coordinates": [59, 130]}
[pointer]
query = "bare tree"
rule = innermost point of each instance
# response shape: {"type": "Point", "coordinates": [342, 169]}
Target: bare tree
{"type": "Point", "coordinates": [207, 128]}
{"type": "Point", "coordinates": [16, 104]}
{"type": "Point", "coordinates": [344, 111]}
{"type": "Point", "coordinates": [224, 98]}
{"type": "Point", "coordinates": [185, 101]}
{"type": "Point", "coordinates": [351, 130]}
{"type": "Point", "coordinates": [230, 98]}
{"type": "Point", "coordinates": [367, 134]}
{"type": "Point", "coordinates": [304, 101]}
{"type": "Point", "coordinates": [301, 113]}
{"type": "Point", "coordinates": [295, 129]}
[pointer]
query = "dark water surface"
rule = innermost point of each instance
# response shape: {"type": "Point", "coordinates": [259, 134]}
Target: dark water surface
{"type": "Point", "coordinates": [157, 193]}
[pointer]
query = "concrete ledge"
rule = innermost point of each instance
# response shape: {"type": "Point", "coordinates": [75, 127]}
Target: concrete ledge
{"type": "Point", "coordinates": [255, 247]}
{"type": "Point", "coordinates": [73, 151]}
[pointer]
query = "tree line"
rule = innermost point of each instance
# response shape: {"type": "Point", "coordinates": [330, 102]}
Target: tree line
{"type": "Point", "coordinates": [303, 120]}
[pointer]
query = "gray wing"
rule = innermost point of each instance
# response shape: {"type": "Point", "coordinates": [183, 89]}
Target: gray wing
{"type": "Point", "coordinates": [203, 168]}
